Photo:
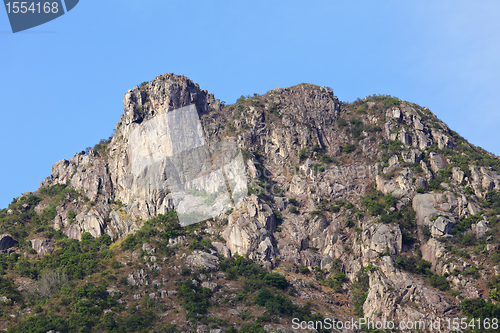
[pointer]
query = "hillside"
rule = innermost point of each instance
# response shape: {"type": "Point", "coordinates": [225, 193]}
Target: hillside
{"type": "Point", "coordinates": [196, 215]}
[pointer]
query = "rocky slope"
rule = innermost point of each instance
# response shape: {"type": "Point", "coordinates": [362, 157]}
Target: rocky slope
{"type": "Point", "coordinates": [378, 187]}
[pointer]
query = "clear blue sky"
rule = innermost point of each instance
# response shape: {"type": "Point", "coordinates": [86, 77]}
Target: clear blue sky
{"type": "Point", "coordinates": [62, 83]}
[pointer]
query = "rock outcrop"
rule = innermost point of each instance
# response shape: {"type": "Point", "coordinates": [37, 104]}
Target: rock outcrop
{"type": "Point", "coordinates": [281, 178]}
{"type": "Point", "coordinates": [6, 242]}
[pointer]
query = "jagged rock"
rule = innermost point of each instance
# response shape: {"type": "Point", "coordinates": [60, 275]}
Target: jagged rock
{"type": "Point", "coordinates": [307, 116]}
{"type": "Point", "coordinates": [441, 226]}
{"type": "Point", "coordinates": [176, 241]}
{"type": "Point", "coordinates": [412, 156]}
{"type": "Point", "coordinates": [423, 204]}
{"type": "Point", "coordinates": [394, 160]}
{"type": "Point", "coordinates": [203, 259]}
{"type": "Point", "coordinates": [222, 249]}
{"type": "Point", "coordinates": [423, 140]}
{"type": "Point", "coordinates": [457, 174]}
{"type": "Point", "coordinates": [382, 238]}
{"type": "Point", "coordinates": [250, 228]}
{"type": "Point", "coordinates": [437, 162]}
{"type": "Point", "coordinates": [148, 248]}
{"type": "Point", "coordinates": [420, 182]}
{"type": "Point", "coordinates": [480, 228]}
{"type": "Point", "coordinates": [488, 182]}
{"type": "Point", "coordinates": [443, 140]}
{"type": "Point", "coordinates": [113, 291]}
{"type": "Point", "coordinates": [473, 209]}
{"type": "Point", "coordinates": [389, 187]}
{"type": "Point", "coordinates": [394, 112]}
{"type": "Point", "coordinates": [6, 242]}
{"type": "Point", "coordinates": [41, 207]}
{"type": "Point", "coordinates": [138, 277]}
{"type": "Point", "coordinates": [210, 285]}
{"type": "Point", "coordinates": [4, 299]}
{"type": "Point", "coordinates": [42, 246]}
{"type": "Point", "coordinates": [428, 173]}
{"type": "Point", "coordinates": [389, 288]}
{"type": "Point", "coordinates": [433, 252]}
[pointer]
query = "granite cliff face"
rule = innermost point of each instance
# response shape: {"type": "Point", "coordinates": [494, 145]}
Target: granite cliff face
{"type": "Point", "coordinates": [311, 161]}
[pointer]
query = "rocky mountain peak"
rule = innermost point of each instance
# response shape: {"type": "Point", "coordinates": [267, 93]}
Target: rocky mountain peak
{"type": "Point", "coordinates": [378, 190]}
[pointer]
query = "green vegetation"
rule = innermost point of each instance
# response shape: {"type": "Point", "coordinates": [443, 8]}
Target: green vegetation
{"type": "Point", "coordinates": [478, 308]}
{"type": "Point", "coordinates": [459, 230]}
{"type": "Point", "coordinates": [419, 266]}
{"type": "Point", "coordinates": [195, 299]}
{"type": "Point", "coordinates": [304, 153]}
{"type": "Point", "coordinates": [378, 204]}
{"type": "Point", "coordinates": [336, 281]}
{"type": "Point", "coordinates": [360, 288]}
{"type": "Point", "coordinates": [349, 148]}
{"type": "Point", "coordinates": [341, 122]}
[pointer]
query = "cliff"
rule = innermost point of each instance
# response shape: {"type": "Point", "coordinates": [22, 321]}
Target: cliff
{"type": "Point", "coordinates": [379, 190]}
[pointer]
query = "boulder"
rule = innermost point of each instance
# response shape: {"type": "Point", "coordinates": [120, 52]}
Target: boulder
{"type": "Point", "coordinates": [412, 156]}
{"type": "Point", "coordinates": [204, 260]}
{"type": "Point", "coordinates": [441, 226]}
{"type": "Point", "coordinates": [222, 249]}
{"type": "Point", "coordinates": [41, 207]}
{"type": "Point", "coordinates": [480, 228]}
{"type": "Point", "coordinates": [210, 285]}
{"type": "Point", "coordinates": [382, 238]}
{"type": "Point", "coordinates": [42, 246]}
{"type": "Point", "coordinates": [457, 174]}
{"type": "Point", "coordinates": [437, 161]}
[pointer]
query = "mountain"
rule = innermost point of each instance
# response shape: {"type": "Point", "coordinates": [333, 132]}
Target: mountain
{"type": "Point", "coordinates": [197, 215]}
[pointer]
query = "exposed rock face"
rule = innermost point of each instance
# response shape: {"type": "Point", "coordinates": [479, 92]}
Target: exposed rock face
{"type": "Point", "coordinates": [222, 249]}
{"type": "Point", "coordinates": [210, 285]}
{"type": "Point", "coordinates": [389, 287]}
{"type": "Point", "coordinates": [204, 260]}
{"type": "Point", "coordinates": [251, 229]}
{"type": "Point", "coordinates": [294, 147]}
{"type": "Point", "coordinates": [412, 156]}
{"type": "Point", "coordinates": [6, 242]}
{"type": "Point", "coordinates": [381, 239]}
{"type": "Point", "coordinates": [42, 246]}
{"type": "Point", "coordinates": [437, 162]}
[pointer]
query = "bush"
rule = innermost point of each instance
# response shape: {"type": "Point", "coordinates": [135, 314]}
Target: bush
{"type": "Point", "coordinates": [349, 148]}
{"type": "Point", "coordinates": [341, 122]}
{"type": "Point", "coordinates": [336, 281]}
{"type": "Point", "coordinates": [360, 288]}
{"type": "Point", "coordinates": [304, 153]}
{"type": "Point", "coordinates": [293, 210]}
{"type": "Point", "coordinates": [304, 270]}
{"type": "Point", "coordinates": [195, 299]}
{"type": "Point", "coordinates": [276, 280]}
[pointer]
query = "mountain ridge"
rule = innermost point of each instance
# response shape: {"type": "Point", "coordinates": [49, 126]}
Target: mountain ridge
{"type": "Point", "coordinates": [377, 199]}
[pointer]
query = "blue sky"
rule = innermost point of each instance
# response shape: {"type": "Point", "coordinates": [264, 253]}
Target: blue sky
{"type": "Point", "coordinates": [62, 83]}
